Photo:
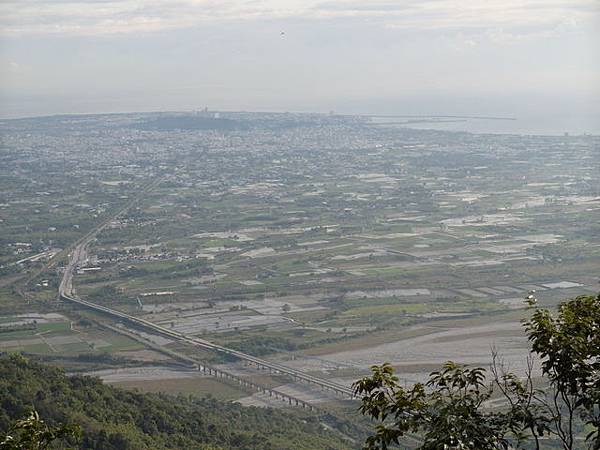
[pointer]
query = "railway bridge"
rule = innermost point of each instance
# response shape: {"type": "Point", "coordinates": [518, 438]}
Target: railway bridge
{"type": "Point", "coordinates": [65, 293]}
{"type": "Point", "coordinates": [260, 363]}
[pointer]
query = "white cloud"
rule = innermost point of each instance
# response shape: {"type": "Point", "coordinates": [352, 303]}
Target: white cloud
{"type": "Point", "coordinates": [23, 17]}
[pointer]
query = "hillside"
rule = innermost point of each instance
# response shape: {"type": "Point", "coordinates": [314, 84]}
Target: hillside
{"type": "Point", "coordinates": [112, 418]}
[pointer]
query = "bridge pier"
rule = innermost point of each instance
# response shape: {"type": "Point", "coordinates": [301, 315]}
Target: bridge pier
{"type": "Point", "coordinates": [248, 360]}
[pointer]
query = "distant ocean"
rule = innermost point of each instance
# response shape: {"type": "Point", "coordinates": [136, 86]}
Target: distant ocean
{"type": "Point", "coordinates": [552, 126]}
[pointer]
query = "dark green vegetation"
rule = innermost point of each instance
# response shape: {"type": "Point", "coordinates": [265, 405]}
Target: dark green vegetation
{"type": "Point", "coordinates": [450, 410]}
{"type": "Point", "coordinates": [568, 344]}
{"type": "Point", "coordinates": [115, 419]}
{"type": "Point", "coordinates": [32, 433]}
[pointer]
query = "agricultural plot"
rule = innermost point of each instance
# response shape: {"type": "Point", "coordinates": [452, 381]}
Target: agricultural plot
{"type": "Point", "coordinates": [169, 380]}
{"type": "Point", "coordinates": [54, 334]}
{"type": "Point", "coordinates": [299, 236]}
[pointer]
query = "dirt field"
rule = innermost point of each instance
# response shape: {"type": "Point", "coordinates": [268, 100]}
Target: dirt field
{"type": "Point", "coordinates": [170, 380]}
{"type": "Point", "coordinates": [414, 357]}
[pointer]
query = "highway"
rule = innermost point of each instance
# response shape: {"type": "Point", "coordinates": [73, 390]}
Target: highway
{"type": "Point", "coordinates": [66, 293]}
{"type": "Point", "coordinates": [261, 363]}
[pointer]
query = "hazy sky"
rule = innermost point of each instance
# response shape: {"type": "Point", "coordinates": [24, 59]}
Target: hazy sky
{"type": "Point", "coordinates": [505, 57]}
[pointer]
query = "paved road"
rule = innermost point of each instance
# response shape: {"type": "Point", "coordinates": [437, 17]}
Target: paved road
{"type": "Point", "coordinates": [66, 293]}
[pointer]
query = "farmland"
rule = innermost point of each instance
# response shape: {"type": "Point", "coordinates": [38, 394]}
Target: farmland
{"type": "Point", "coordinates": [319, 241]}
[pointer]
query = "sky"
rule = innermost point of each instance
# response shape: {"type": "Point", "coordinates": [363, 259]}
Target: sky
{"type": "Point", "coordinates": [477, 57]}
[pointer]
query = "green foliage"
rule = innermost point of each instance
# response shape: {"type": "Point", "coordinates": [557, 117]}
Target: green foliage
{"type": "Point", "coordinates": [114, 419]}
{"type": "Point", "coordinates": [568, 344]}
{"type": "Point", "coordinates": [263, 345]}
{"type": "Point", "coordinates": [526, 417]}
{"type": "Point", "coordinates": [106, 293]}
{"type": "Point", "coordinates": [32, 433]}
{"type": "Point", "coordinates": [448, 411]}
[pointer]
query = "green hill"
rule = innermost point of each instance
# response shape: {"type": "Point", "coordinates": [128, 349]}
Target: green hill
{"type": "Point", "coordinates": [112, 418]}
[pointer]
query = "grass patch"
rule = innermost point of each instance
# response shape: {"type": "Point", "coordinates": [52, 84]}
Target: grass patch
{"type": "Point", "coordinates": [121, 343]}
{"type": "Point", "coordinates": [54, 327]}
{"type": "Point", "coordinates": [75, 347]}
{"type": "Point", "coordinates": [40, 349]}
{"type": "Point", "coordinates": [200, 387]}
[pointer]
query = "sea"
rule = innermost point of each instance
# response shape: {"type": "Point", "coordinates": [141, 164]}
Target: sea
{"type": "Point", "coordinates": [544, 126]}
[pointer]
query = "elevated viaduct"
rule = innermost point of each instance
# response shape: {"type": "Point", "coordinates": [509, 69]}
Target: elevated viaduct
{"type": "Point", "coordinates": [175, 335]}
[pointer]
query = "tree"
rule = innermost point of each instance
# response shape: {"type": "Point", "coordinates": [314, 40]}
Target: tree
{"type": "Point", "coordinates": [32, 433]}
{"type": "Point", "coordinates": [448, 411]}
{"type": "Point", "coordinates": [527, 418]}
{"type": "Point", "coordinates": [568, 344]}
